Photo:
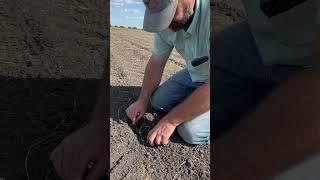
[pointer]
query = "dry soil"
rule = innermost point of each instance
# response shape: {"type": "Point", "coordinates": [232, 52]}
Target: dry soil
{"type": "Point", "coordinates": [52, 54]}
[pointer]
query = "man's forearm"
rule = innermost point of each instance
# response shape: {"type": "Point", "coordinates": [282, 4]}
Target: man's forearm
{"type": "Point", "coordinates": [152, 77]}
{"type": "Point", "coordinates": [197, 103]}
{"type": "Point", "coordinates": [283, 131]}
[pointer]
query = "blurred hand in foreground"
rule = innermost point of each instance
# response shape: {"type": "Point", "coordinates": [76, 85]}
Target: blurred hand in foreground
{"type": "Point", "coordinates": [82, 155]}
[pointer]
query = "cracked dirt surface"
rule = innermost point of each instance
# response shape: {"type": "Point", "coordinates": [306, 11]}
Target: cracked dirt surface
{"type": "Point", "coordinates": [131, 158]}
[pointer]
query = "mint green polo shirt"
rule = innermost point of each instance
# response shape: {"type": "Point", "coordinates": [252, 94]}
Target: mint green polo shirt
{"type": "Point", "coordinates": [190, 44]}
{"type": "Point", "coordinates": [287, 38]}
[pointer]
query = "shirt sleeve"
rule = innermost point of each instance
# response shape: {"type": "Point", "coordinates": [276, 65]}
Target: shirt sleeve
{"type": "Point", "coordinates": [161, 47]}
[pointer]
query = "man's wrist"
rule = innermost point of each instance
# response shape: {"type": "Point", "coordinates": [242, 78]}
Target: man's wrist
{"type": "Point", "coordinates": [144, 99]}
{"type": "Point", "coordinates": [173, 121]}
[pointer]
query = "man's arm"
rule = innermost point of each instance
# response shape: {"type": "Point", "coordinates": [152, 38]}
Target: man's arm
{"type": "Point", "coordinates": [152, 77]}
{"type": "Point", "coordinates": [151, 80]}
{"type": "Point", "coordinates": [198, 102]}
{"type": "Point", "coordinates": [283, 131]}
{"type": "Point", "coordinates": [72, 157]}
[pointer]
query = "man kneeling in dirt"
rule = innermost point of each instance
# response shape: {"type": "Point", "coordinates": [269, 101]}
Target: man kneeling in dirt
{"type": "Point", "coordinates": [184, 25]}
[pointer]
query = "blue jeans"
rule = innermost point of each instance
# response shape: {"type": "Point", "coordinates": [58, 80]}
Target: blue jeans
{"type": "Point", "coordinates": [174, 91]}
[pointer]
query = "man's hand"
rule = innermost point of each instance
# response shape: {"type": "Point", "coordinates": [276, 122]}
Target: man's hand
{"type": "Point", "coordinates": [137, 110]}
{"type": "Point", "coordinates": [74, 155]}
{"type": "Point", "coordinates": [197, 103]}
{"type": "Point", "coordinates": [161, 133]}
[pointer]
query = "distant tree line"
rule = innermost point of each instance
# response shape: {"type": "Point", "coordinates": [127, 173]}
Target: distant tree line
{"type": "Point", "coordinates": [129, 27]}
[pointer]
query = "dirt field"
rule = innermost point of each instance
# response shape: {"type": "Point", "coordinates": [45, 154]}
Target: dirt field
{"type": "Point", "coordinates": [225, 13]}
{"type": "Point", "coordinates": [52, 54]}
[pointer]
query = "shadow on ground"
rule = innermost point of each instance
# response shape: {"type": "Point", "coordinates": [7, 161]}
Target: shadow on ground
{"type": "Point", "coordinates": [33, 109]}
{"type": "Point", "coordinates": [121, 97]}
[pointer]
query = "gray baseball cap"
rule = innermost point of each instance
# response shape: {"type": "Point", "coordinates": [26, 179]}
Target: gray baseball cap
{"type": "Point", "coordinates": [159, 14]}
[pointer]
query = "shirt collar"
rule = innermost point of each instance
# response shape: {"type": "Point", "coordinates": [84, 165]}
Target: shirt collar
{"type": "Point", "coordinates": [194, 22]}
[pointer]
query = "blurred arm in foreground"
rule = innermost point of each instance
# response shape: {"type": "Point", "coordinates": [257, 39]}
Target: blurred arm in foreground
{"type": "Point", "coordinates": [282, 132]}
{"type": "Point", "coordinates": [82, 155]}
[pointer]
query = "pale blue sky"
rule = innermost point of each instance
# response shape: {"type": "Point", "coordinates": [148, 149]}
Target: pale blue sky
{"type": "Point", "coordinates": [127, 13]}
